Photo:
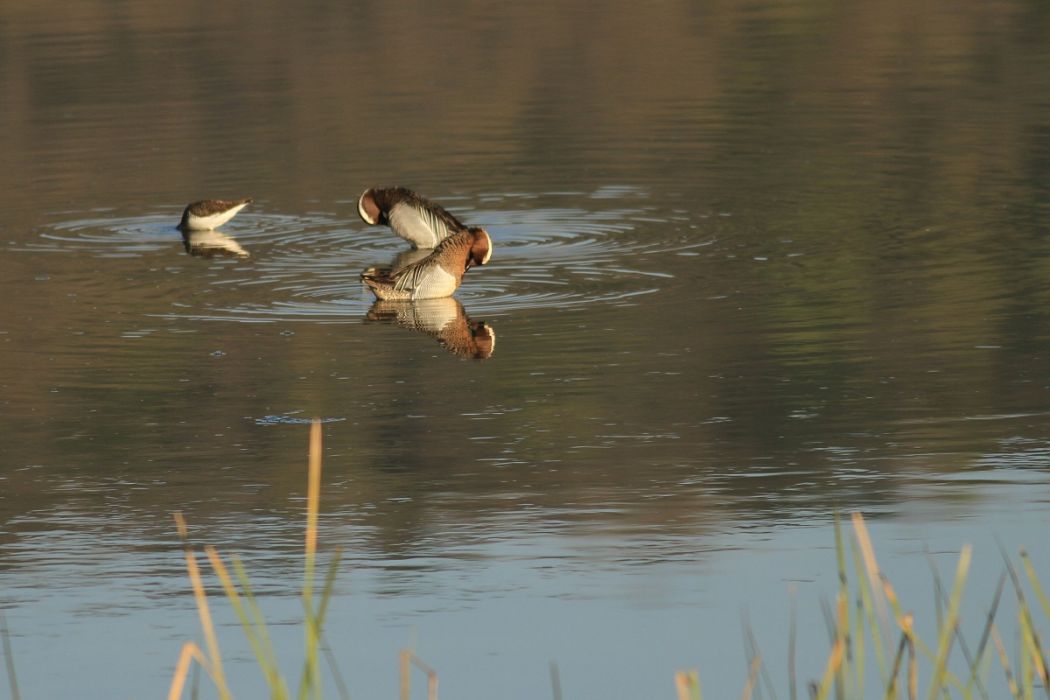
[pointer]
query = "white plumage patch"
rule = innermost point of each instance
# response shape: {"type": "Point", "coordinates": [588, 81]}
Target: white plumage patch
{"type": "Point", "coordinates": [214, 221]}
{"type": "Point", "coordinates": [361, 210]}
{"type": "Point", "coordinates": [421, 228]}
{"type": "Point", "coordinates": [427, 282]}
{"type": "Point", "coordinates": [488, 253]}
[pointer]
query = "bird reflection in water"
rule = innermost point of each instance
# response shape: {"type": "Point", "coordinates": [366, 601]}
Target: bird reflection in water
{"type": "Point", "coordinates": [442, 319]}
{"type": "Point", "coordinates": [198, 224]}
{"type": "Point", "coordinates": [210, 244]}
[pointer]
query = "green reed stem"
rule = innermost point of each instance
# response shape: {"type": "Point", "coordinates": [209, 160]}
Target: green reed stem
{"type": "Point", "coordinates": [9, 658]}
{"type": "Point", "coordinates": [938, 680]}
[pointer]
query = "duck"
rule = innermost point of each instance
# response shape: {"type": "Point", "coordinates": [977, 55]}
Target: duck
{"type": "Point", "coordinates": [419, 221]}
{"type": "Point", "coordinates": [438, 274]}
{"type": "Point", "coordinates": [210, 214]}
{"type": "Point", "coordinates": [441, 319]}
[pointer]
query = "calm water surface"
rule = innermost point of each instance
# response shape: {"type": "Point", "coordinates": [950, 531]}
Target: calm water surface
{"type": "Point", "coordinates": [753, 263]}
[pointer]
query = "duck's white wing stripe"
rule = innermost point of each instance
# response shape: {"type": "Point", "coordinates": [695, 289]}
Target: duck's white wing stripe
{"type": "Point", "coordinates": [437, 224]}
{"type": "Point", "coordinates": [406, 222]}
{"type": "Point", "coordinates": [420, 226]}
{"type": "Point", "coordinates": [426, 281]}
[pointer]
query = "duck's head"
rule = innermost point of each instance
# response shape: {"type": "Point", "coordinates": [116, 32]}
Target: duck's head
{"type": "Point", "coordinates": [368, 207]}
{"type": "Point", "coordinates": [480, 247]}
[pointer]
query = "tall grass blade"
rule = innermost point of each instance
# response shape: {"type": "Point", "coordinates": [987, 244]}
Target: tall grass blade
{"type": "Point", "coordinates": [1034, 581]}
{"type": "Point", "coordinates": [408, 659]}
{"type": "Point", "coordinates": [1030, 641]}
{"type": "Point", "coordinates": [9, 658]}
{"type": "Point", "coordinates": [857, 639]}
{"type": "Point", "coordinates": [939, 602]}
{"type": "Point", "coordinates": [190, 652]}
{"type": "Point", "coordinates": [860, 530]}
{"type": "Point", "coordinates": [317, 619]}
{"type": "Point", "coordinates": [838, 651]}
{"type": "Point", "coordinates": [311, 681]}
{"type": "Point", "coordinates": [891, 688]}
{"type": "Point", "coordinates": [405, 668]}
{"type": "Point", "coordinates": [203, 612]}
{"type": "Point", "coordinates": [938, 587]}
{"type": "Point", "coordinates": [868, 603]}
{"type": "Point", "coordinates": [752, 677]}
{"type": "Point", "coordinates": [687, 685]}
{"type": "Point", "coordinates": [1033, 645]}
{"type": "Point", "coordinates": [333, 666]}
{"type": "Point", "coordinates": [556, 681]}
{"type": "Point", "coordinates": [753, 652]}
{"type": "Point", "coordinates": [947, 634]}
{"type": "Point", "coordinates": [254, 628]}
{"type": "Point", "coordinates": [913, 668]}
{"type": "Point", "coordinates": [792, 643]}
{"type": "Point", "coordinates": [1004, 661]}
{"type": "Point", "coordinates": [840, 563]}
{"type": "Point", "coordinates": [256, 616]}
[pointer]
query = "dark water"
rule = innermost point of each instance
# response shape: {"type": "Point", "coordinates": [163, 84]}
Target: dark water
{"type": "Point", "coordinates": [754, 262]}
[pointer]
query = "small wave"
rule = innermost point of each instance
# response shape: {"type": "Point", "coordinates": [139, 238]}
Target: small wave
{"type": "Point", "coordinates": [546, 254]}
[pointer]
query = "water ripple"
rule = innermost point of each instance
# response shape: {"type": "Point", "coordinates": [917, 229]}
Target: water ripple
{"type": "Point", "coordinates": [305, 267]}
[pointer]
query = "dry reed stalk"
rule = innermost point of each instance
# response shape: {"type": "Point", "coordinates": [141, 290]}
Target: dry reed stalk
{"type": "Point", "coordinates": [214, 655]}
{"type": "Point", "coordinates": [752, 677]}
{"type": "Point", "coordinates": [311, 674]}
{"type": "Point", "coordinates": [868, 553]}
{"type": "Point", "coordinates": [190, 652]}
{"type": "Point", "coordinates": [555, 681]}
{"type": "Point", "coordinates": [948, 628]}
{"type": "Point", "coordinates": [687, 685]}
{"type": "Point", "coordinates": [406, 673]}
{"type": "Point", "coordinates": [9, 658]}
{"type": "Point", "coordinates": [408, 659]}
{"type": "Point", "coordinates": [1011, 682]}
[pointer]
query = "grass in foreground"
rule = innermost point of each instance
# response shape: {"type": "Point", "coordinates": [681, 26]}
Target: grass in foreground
{"type": "Point", "coordinates": [868, 623]}
{"type": "Point", "coordinates": [238, 591]}
{"type": "Point", "coordinates": [867, 627]}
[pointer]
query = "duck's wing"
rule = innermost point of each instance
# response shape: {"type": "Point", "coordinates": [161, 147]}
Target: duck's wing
{"type": "Point", "coordinates": [421, 222]}
{"type": "Point", "coordinates": [426, 279]}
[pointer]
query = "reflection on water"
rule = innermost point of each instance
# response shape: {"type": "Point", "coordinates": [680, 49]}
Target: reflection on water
{"type": "Point", "coordinates": [209, 244]}
{"type": "Point", "coordinates": [803, 267]}
{"type": "Point", "coordinates": [442, 319]}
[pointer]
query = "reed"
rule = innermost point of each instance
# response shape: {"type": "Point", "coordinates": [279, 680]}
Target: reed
{"type": "Point", "coordinates": [868, 623]}
{"type": "Point", "coordinates": [875, 651]}
{"type": "Point", "coordinates": [9, 658]}
{"type": "Point", "coordinates": [238, 591]}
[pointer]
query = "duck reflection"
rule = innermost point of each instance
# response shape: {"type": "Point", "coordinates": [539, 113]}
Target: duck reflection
{"type": "Point", "coordinates": [210, 244]}
{"type": "Point", "coordinates": [442, 319]}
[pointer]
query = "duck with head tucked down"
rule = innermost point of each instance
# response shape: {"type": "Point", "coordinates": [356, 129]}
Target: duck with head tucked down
{"type": "Point", "coordinates": [437, 275]}
{"type": "Point", "coordinates": [416, 219]}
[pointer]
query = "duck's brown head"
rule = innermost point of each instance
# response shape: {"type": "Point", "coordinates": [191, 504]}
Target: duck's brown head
{"type": "Point", "coordinates": [368, 207]}
{"type": "Point", "coordinates": [480, 247]}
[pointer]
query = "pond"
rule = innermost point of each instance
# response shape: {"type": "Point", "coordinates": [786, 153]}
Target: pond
{"type": "Point", "coordinates": [754, 264]}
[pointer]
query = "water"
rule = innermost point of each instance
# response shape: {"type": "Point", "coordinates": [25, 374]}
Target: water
{"type": "Point", "coordinates": [753, 263]}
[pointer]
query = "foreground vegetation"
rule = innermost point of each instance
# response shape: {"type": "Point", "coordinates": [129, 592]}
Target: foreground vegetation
{"type": "Point", "coordinates": [868, 628]}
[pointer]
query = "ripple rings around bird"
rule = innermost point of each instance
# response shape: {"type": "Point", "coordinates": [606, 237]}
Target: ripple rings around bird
{"type": "Point", "coordinates": [306, 267]}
